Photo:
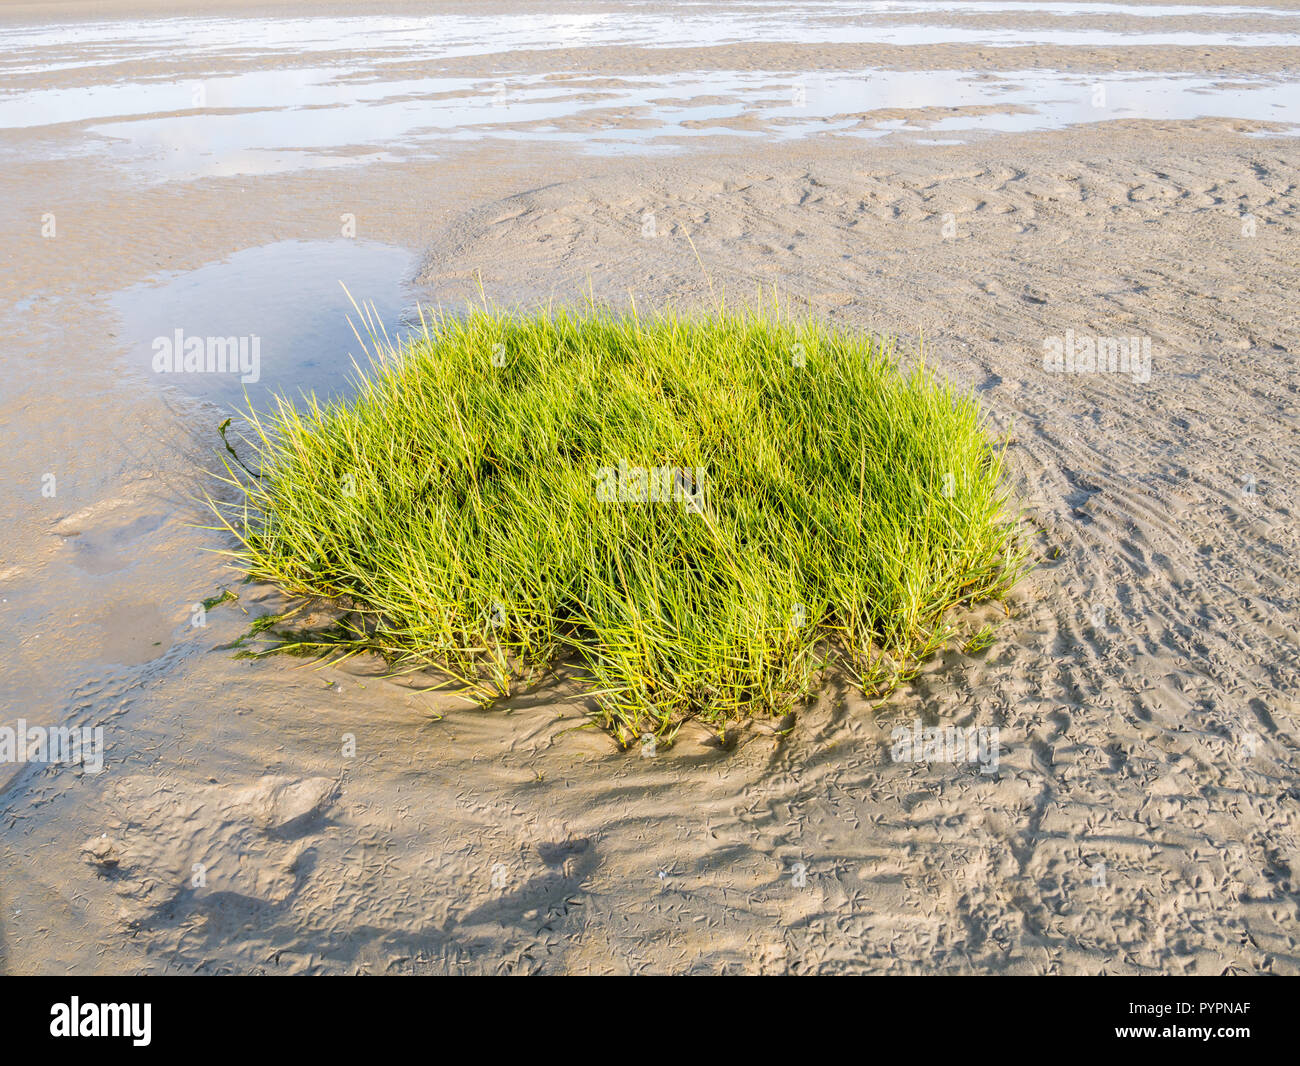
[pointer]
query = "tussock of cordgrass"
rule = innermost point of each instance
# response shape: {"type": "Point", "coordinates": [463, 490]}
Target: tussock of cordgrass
{"type": "Point", "coordinates": [453, 508]}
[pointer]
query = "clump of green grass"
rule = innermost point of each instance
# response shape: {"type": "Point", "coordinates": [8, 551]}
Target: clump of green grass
{"type": "Point", "coordinates": [801, 498]}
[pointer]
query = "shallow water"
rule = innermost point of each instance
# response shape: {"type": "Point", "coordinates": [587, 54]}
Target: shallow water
{"type": "Point", "coordinates": [322, 122]}
{"type": "Point", "coordinates": [642, 25]}
{"type": "Point", "coordinates": [285, 307]}
{"type": "Point", "coordinates": [339, 91]}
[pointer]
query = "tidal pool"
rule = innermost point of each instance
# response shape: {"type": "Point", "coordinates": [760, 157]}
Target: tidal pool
{"type": "Point", "coordinates": [271, 319]}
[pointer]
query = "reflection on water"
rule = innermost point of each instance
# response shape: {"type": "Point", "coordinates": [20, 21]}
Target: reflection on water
{"type": "Point", "coordinates": [647, 25]}
{"type": "Point", "coordinates": [337, 91]}
{"type": "Point", "coordinates": [650, 113]}
{"type": "Point", "coordinates": [276, 315]}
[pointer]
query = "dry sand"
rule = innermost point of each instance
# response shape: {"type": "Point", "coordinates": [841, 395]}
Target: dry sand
{"type": "Point", "coordinates": [1144, 814]}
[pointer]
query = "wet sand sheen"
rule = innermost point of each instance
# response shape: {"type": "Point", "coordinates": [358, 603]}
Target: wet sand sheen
{"type": "Point", "coordinates": [339, 92]}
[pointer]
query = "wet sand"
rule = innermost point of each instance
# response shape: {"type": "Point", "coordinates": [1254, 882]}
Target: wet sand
{"type": "Point", "coordinates": [1143, 817]}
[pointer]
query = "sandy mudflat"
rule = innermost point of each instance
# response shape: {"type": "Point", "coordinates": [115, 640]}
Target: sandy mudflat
{"type": "Point", "coordinates": [1144, 816]}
